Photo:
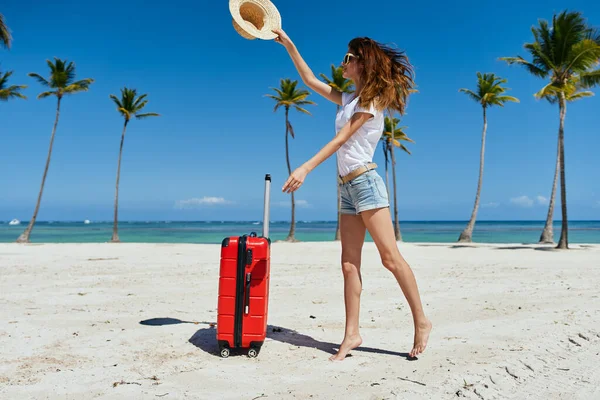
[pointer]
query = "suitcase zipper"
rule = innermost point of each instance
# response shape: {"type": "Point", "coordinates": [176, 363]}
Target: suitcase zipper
{"type": "Point", "coordinates": [248, 280]}
{"type": "Point", "coordinates": [239, 298]}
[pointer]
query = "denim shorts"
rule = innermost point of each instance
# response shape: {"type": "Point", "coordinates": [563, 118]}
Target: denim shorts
{"type": "Point", "coordinates": [365, 192]}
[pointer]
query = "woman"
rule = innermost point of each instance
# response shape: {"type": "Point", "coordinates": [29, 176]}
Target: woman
{"type": "Point", "coordinates": [383, 79]}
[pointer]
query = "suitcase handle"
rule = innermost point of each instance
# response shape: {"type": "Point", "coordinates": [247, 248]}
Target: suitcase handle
{"type": "Point", "coordinates": [247, 300]}
{"type": "Point", "coordinates": [267, 206]}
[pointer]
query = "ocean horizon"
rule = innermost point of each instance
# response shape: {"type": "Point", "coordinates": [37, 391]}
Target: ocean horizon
{"type": "Point", "coordinates": [213, 232]}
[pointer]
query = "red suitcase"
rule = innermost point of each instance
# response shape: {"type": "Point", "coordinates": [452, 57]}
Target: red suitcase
{"type": "Point", "coordinates": [244, 289]}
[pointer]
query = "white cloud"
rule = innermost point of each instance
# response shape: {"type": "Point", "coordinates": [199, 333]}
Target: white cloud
{"type": "Point", "coordinates": [522, 201]}
{"type": "Point", "coordinates": [491, 205]}
{"type": "Point", "coordinates": [288, 204]}
{"type": "Point", "coordinates": [302, 203]}
{"type": "Point", "coordinates": [542, 200]}
{"type": "Point", "coordinates": [199, 202]}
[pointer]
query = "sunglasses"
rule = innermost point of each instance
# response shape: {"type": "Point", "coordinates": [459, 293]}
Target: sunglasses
{"type": "Point", "coordinates": [348, 57]}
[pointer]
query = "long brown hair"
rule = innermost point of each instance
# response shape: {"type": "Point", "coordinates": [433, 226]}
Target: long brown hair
{"type": "Point", "coordinates": [387, 75]}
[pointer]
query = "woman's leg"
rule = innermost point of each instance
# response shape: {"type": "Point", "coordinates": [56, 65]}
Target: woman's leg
{"type": "Point", "coordinates": [379, 223]}
{"type": "Point", "coordinates": [352, 231]}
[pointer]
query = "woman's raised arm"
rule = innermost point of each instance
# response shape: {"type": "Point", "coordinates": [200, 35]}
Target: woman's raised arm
{"type": "Point", "coordinates": [308, 77]}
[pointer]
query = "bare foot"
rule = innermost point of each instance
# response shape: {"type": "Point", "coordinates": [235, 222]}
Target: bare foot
{"type": "Point", "coordinates": [349, 343]}
{"type": "Point", "coordinates": [421, 338]}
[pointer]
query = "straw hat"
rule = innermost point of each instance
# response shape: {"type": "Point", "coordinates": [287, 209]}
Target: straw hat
{"type": "Point", "coordinates": [254, 19]}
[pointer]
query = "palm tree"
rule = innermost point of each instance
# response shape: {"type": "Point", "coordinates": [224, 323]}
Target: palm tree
{"type": "Point", "coordinates": [550, 93]}
{"type": "Point", "coordinates": [10, 92]}
{"type": "Point", "coordinates": [566, 49]}
{"type": "Point", "coordinates": [343, 85]}
{"type": "Point", "coordinates": [128, 106]}
{"type": "Point", "coordinates": [388, 149]}
{"type": "Point", "coordinates": [5, 36]}
{"type": "Point", "coordinates": [489, 93]}
{"type": "Point", "coordinates": [62, 80]}
{"type": "Point", "coordinates": [288, 96]}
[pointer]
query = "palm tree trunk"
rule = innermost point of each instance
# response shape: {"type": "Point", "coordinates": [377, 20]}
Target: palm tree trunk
{"type": "Point", "coordinates": [292, 233]}
{"type": "Point", "coordinates": [386, 149]}
{"type": "Point", "coordinates": [115, 235]}
{"type": "Point", "coordinates": [24, 238]}
{"type": "Point", "coordinates": [466, 235]}
{"type": "Point", "coordinates": [548, 232]}
{"type": "Point", "coordinates": [564, 240]}
{"type": "Point", "coordinates": [396, 222]}
{"type": "Point", "coordinates": [338, 235]}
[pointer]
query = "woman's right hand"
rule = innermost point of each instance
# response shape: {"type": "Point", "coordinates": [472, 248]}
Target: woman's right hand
{"type": "Point", "coordinates": [282, 37]}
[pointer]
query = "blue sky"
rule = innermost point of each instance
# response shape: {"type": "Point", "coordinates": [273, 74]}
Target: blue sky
{"type": "Point", "coordinates": [218, 135]}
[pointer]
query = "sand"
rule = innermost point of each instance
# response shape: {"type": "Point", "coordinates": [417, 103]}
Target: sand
{"type": "Point", "coordinates": [133, 321]}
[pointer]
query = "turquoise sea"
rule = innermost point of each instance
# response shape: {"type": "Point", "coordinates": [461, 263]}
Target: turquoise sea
{"type": "Point", "coordinates": [215, 231]}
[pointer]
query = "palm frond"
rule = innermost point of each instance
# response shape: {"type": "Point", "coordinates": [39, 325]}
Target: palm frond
{"type": "Point", "coordinates": [137, 104]}
{"type": "Point", "coordinates": [288, 95]}
{"type": "Point", "coordinates": [504, 99]}
{"type": "Point", "coordinates": [79, 86]}
{"type": "Point", "coordinates": [565, 51]}
{"type": "Point", "coordinates": [548, 92]}
{"type": "Point", "coordinates": [125, 113]}
{"type": "Point", "coordinates": [590, 79]}
{"type": "Point", "coordinates": [279, 92]}
{"type": "Point", "coordinates": [4, 78]}
{"type": "Point", "coordinates": [402, 136]}
{"type": "Point", "coordinates": [584, 56]}
{"type": "Point", "coordinates": [571, 90]}
{"type": "Point", "coordinates": [116, 101]}
{"type": "Point", "coordinates": [490, 91]}
{"type": "Point", "coordinates": [326, 79]}
{"type": "Point", "coordinates": [304, 102]}
{"type": "Point", "coordinates": [580, 95]}
{"type": "Point", "coordinates": [39, 78]}
{"type": "Point", "coordinates": [541, 45]}
{"type": "Point", "coordinates": [272, 97]}
{"type": "Point", "coordinates": [9, 92]}
{"type": "Point", "coordinates": [471, 94]}
{"type": "Point", "coordinates": [12, 92]}
{"type": "Point", "coordinates": [302, 110]}
{"type": "Point", "coordinates": [5, 36]}
{"type": "Point", "coordinates": [290, 130]}
{"type": "Point", "coordinates": [47, 94]}
{"type": "Point", "coordinates": [533, 69]}
{"type": "Point", "coordinates": [136, 107]}
{"type": "Point", "coordinates": [146, 115]}
{"type": "Point", "coordinates": [337, 80]}
{"type": "Point", "coordinates": [61, 78]}
{"type": "Point", "coordinates": [17, 88]}
{"type": "Point", "coordinates": [130, 104]}
{"type": "Point", "coordinates": [568, 29]}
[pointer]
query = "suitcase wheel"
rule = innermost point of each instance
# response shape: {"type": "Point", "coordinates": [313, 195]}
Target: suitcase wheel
{"type": "Point", "coordinates": [252, 353]}
{"type": "Point", "coordinates": [225, 352]}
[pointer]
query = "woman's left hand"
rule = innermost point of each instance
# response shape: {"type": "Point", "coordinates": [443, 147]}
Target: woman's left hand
{"type": "Point", "coordinates": [295, 180]}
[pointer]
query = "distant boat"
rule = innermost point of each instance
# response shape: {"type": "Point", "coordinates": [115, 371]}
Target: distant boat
{"type": "Point", "coordinates": [87, 221]}
{"type": "Point", "coordinates": [15, 222]}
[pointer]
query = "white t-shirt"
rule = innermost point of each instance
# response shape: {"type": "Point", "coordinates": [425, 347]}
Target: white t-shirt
{"type": "Point", "coordinates": [359, 149]}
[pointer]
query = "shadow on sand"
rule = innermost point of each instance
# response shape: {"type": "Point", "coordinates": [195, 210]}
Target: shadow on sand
{"type": "Point", "coordinates": [524, 246]}
{"type": "Point", "coordinates": [528, 247]}
{"type": "Point", "coordinates": [206, 338]}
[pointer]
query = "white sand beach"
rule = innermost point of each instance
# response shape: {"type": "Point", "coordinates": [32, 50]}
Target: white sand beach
{"type": "Point", "coordinates": [133, 321]}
